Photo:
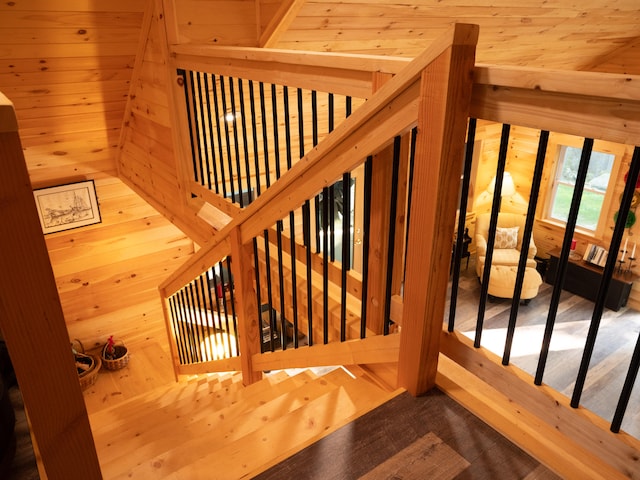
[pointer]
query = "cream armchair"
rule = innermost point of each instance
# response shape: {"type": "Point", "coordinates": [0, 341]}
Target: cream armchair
{"type": "Point", "coordinates": [506, 251]}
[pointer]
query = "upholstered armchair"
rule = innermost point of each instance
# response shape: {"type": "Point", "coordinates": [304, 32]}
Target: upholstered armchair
{"type": "Point", "coordinates": [506, 250]}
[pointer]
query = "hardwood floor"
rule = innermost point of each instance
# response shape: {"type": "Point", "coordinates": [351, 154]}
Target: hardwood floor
{"type": "Point", "coordinates": [612, 353]}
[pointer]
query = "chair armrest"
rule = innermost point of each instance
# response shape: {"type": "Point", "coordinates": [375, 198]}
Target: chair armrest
{"type": "Point", "coordinates": [481, 245]}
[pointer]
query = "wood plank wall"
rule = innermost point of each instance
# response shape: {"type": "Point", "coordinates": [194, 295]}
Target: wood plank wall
{"type": "Point", "coordinates": [66, 65]}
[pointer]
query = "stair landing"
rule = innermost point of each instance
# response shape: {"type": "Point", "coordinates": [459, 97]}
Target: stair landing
{"type": "Point", "coordinates": [213, 427]}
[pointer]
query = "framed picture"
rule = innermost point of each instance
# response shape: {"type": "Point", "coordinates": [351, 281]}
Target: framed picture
{"type": "Point", "coordinates": [67, 206]}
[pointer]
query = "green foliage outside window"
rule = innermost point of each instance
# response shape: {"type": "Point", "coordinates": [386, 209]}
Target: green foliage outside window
{"type": "Point", "coordinates": [594, 192]}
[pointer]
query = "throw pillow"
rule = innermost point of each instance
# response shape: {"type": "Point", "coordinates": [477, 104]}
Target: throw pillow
{"type": "Point", "coordinates": [506, 237]}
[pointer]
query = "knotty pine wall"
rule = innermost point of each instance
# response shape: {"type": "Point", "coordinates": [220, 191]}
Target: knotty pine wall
{"type": "Point", "coordinates": [521, 157]}
{"type": "Point", "coordinates": [67, 66]}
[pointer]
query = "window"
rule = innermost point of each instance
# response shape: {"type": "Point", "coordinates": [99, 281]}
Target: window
{"type": "Point", "coordinates": [593, 195]}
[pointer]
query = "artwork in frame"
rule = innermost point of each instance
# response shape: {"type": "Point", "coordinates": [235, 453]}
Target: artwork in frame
{"type": "Point", "coordinates": [67, 206]}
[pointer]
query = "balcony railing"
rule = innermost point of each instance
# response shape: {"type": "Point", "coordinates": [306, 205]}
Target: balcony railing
{"type": "Point", "coordinates": [297, 305]}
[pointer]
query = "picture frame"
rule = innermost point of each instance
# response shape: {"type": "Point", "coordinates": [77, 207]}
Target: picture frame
{"type": "Point", "coordinates": [68, 206]}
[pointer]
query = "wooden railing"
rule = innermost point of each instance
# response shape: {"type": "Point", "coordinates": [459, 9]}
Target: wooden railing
{"type": "Point", "coordinates": [397, 106]}
{"type": "Point", "coordinates": [606, 107]}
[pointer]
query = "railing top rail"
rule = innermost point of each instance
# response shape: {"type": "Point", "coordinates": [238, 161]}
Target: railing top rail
{"type": "Point", "coordinates": [390, 111]}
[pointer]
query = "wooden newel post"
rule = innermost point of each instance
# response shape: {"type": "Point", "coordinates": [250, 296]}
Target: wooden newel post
{"type": "Point", "coordinates": [33, 325]}
{"type": "Point", "coordinates": [249, 328]}
{"type": "Point", "coordinates": [442, 120]}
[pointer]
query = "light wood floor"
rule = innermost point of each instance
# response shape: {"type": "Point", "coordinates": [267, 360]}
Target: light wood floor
{"type": "Point", "coordinates": [614, 346]}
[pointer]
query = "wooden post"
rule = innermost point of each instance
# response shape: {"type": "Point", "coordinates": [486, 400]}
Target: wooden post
{"type": "Point", "coordinates": [442, 120]}
{"type": "Point", "coordinates": [249, 325]}
{"type": "Point", "coordinates": [33, 325]}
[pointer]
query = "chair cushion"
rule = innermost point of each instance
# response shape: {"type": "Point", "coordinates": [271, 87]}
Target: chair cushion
{"type": "Point", "coordinates": [503, 279]}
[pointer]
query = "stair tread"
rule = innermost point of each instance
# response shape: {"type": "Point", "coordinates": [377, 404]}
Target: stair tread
{"type": "Point", "coordinates": [160, 455]}
{"type": "Point", "coordinates": [172, 394]}
{"type": "Point", "coordinates": [276, 441]}
{"type": "Point", "coordinates": [150, 433]}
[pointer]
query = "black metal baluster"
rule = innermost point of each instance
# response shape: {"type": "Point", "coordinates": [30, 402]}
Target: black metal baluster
{"type": "Point", "coordinates": [610, 265]}
{"type": "Point", "coordinates": [210, 117]}
{"type": "Point", "coordinates": [495, 208]}
{"type": "Point", "coordinates": [243, 115]}
{"type": "Point", "coordinates": [412, 156]}
{"type": "Point", "coordinates": [392, 232]}
{"type": "Point", "coordinates": [195, 320]}
{"type": "Point", "coordinates": [201, 319]}
{"type": "Point", "coordinates": [254, 131]}
{"type": "Point", "coordinates": [197, 162]}
{"type": "Point", "coordinates": [526, 241]}
{"type": "Point", "coordinates": [234, 317]}
{"type": "Point", "coordinates": [306, 228]}
{"type": "Point", "coordinates": [256, 266]}
{"type": "Point", "coordinates": [176, 332]}
{"type": "Point", "coordinates": [564, 257]}
{"type": "Point", "coordinates": [234, 123]}
{"type": "Point", "coordinates": [225, 304]}
{"type": "Point", "coordinates": [219, 118]}
{"type": "Point", "coordinates": [180, 328]}
{"type": "Point", "coordinates": [627, 388]}
{"type": "Point", "coordinates": [366, 223]}
{"type": "Point", "coordinates": [186, 327]}
{"type": "Point", "coordinates": [265, 141]}
{"type": "Point", "coordinates": [325, 264]}
{"type": "Point", "coordinates": [462, 213]}
{"type": "Point", "coordinates": [314, 135]}
{"type": "Point", "coordinates": [331, 190]}
{"type": "Point", "coordinates": [185, 85]}
{"type": "Point", "coordinates": [205, 330]}
{"type": "Point", "coordinates": [225, 122]}
{"type": "Point", "coordinates": [219, 289]}
{"type": "Point", "coordinates": [272, 317]}
{"type": "Point", "coordinates": [203, 157]}
{"type": "Point", "coordinates": [346, 251]}
{"type": "Point", "coordinates": [213, 339]}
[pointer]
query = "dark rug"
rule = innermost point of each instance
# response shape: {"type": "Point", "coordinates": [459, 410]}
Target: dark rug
{"type": "Point", "coordinates": [430, 437]}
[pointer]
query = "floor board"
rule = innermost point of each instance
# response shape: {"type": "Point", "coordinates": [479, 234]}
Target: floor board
{"type": "Point", "coordinates": [412, 438]}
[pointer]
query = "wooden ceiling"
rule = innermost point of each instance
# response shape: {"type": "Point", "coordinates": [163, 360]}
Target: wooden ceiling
{"type": "Point", "coordinates": [596, 35]}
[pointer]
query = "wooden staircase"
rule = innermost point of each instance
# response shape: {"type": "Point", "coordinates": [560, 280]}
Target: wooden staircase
{"type": "Point", "coordinates": [213, 427]}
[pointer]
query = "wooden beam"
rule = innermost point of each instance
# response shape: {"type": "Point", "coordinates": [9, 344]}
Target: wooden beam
{"type": "Point", "coordinates": [376, 349]}
{"type": "Point", "coordinates": [442, 123]}
{"type": "Point", "coordinates": [281, 21]}
{"type": "Point", "coordinates": [33, 325]}
{"type": "Point", "coordinates": [346, 74]}
{"type": "Point", "coordinates": [563, 102]}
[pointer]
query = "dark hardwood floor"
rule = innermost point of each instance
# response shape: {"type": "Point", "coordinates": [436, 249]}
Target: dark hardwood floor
{"type": "Point", "coordinates": [614, 346]}
{"type": "Point", "coordinates": [428, 437]}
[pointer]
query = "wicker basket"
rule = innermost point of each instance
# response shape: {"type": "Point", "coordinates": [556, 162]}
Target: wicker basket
{"type": "Point", "coordinates": [121, 360]}
{"type": "Point", "coordinates": [89, 377]}
{"type": "Point", "coordinates": [88, 374]}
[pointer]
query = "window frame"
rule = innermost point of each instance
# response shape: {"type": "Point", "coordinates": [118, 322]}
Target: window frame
{"type": "Point", "coordinates": [560, 146]}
